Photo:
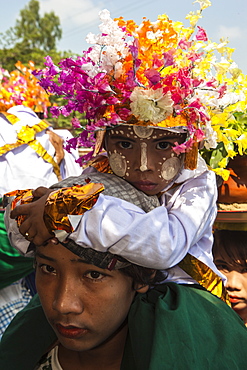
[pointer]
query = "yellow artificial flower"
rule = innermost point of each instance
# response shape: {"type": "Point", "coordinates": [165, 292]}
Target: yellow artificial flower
{"type": "Point", "coordinates": [203, 3]}
{"type": "Point", "coordinates": [193, 17]}
{"type": "Point", "coordinates": [223, 173]}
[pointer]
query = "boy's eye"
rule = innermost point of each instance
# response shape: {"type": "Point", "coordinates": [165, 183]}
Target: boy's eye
{"type": "Point", "coordinates": [94, 275]}
{"type": "Point", "coordinates": [163, 145]}
{"type": "Point", "coordinates": [125, 145]}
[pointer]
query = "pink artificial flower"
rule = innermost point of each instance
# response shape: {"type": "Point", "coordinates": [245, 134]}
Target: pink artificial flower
{"type": "Point", "coordinates": [222, 90]}
{"type": "Point", "coordinates": [55, 111]}
{"type": "Point", "coordinates": [85, 158]}
{"type": "Point", "coordinates": [124, 113]}
{"type": "Point", "coordinates": [184, 44]}
{"type": "Point", "coordinates": [168, 58]}
{"type": "Point", "coordinates": [157, 61]}
{"type": "Point", "coordinates": [194, 56]}
{"type": "Point", "coordinates": [75, 122]}
{"type": "Point", "coordinates": [201, 34]}
{"type": "Point", "coordinates": [199, 135]}
{"type": "Point", "coordinates": [184, 147]}
{"type": "Point", "coordinates": [71, 143]}
{"type": "Point", "coordinates": [134, 49]}
{"type": "Point", "coordinates": [211, 83]}
{"type": "Point", "coordinates": [153, 76]}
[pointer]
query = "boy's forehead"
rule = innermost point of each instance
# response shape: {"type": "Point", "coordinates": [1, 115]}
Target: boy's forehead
{"type": "Point", "coordinates": [142, 132]}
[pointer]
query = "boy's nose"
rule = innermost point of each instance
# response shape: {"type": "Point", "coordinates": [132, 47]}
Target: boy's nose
{"type": "Point", "coordinates": [145, 162]}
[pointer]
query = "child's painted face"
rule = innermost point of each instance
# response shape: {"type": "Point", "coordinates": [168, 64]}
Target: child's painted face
{"type": "Point", "coordinates": [236, 274]}
{"type": "Point", "coordinates": [144, 157]}
{"type": "Point", "coordinates": [85, 305]}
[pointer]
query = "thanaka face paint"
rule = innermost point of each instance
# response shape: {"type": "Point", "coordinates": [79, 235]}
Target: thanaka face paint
{"type": "Point", "coordinates": [144, 156]}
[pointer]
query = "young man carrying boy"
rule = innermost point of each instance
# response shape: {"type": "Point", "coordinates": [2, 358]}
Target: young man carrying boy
{"type": "Point", "coordinates": [149, 102]}
{"type": "Point", "coordinates": [97, 313]}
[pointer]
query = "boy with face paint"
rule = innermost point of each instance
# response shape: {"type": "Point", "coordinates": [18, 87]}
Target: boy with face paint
{"type": "Point", "coordinates": [147, 105]}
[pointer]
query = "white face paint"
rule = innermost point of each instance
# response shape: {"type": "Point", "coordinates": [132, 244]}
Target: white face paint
{"type": "Point", "coordinates": [144, 157]}
{"type": "Point", "coordinates": [118, 164]}
{"type": "Point", "coordinates": [142, 131]}
{"type": "Point", "coordinates": [170, 168]}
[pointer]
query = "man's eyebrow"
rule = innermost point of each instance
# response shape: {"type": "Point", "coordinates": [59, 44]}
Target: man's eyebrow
{"type": "Point", "coordinates": [41, 255]}
{"type": "Point", "coordinates": [79, 260]}
{"type": "Point", "coordinates": [220, 261]}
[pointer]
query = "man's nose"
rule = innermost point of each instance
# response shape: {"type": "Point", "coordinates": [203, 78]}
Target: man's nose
{"type": "Point", "coordinates": [67, 298]}
{"type": "Point", "coordinates": [234, 279]}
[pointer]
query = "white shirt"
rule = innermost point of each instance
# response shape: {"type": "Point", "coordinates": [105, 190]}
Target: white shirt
{"type": "Point", "coordinates": [162, 237]}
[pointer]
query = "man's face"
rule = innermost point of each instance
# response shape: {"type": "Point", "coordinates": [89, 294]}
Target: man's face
{"type": "Point", "coordinates": [85, 305]}
{"type": "Point", "coordinates": [144, 156]}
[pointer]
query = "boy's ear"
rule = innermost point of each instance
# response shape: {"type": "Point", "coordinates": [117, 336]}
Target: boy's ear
{"type": "Point", "coordinates": [104, 143]}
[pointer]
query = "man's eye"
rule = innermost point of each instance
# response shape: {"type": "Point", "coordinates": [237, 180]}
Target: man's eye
{"type": "Point", "coordinates": [94, 275]}
{"type": "Point", "coordinates": [125, 145]}
{"type": "Point", "coordinates": [163, 145]}
{"type": "Point", "coordinates": [223, 267]}
{"type": "Point", "coordinates": [47, 269]}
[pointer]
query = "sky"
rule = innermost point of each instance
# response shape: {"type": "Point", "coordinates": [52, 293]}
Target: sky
{"type": "Point", "coordinates": [225, 18]}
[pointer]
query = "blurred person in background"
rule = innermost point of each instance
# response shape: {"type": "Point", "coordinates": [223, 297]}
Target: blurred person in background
{"type": "Point", "coordinates": [31, 154]}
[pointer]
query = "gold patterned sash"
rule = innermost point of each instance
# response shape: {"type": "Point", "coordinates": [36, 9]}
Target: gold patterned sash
{"type": "Point", "coordinates": [205, 276]}
{"type": "Point", "coordinates": [27, 135]}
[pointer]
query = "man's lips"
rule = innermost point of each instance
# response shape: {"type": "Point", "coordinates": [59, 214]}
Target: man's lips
{"type": "Point", "coordinates": [71, 331]}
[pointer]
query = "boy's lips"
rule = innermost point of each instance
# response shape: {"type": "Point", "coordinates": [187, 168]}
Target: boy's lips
{"type": "Point", "coordinates": [144, 185]}
{"type": "Point", "coordinates": [70, 331]}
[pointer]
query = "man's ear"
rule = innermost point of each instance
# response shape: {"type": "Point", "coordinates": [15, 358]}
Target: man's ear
{"type": "Point", "coordinates": [141, 288]}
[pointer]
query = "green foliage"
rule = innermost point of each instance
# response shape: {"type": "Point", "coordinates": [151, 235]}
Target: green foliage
{"type": "Point", "coordinates": [32, 38]}
{"type": "Point", "coordinates": [214, 156]}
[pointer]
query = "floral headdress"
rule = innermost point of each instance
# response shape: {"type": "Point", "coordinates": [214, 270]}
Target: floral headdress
{"type": "Point", "coordinates": [21, 87]}
{"type": "Point", "coordinates": [156, 74]}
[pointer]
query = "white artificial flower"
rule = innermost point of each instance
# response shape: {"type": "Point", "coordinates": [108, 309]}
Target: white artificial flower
{"type": "Point", "coordinates": [230, 98]}
{"type": "Point", "coordinates": [234, 70]}
{"type": "Point", "coordinates": [118, 71]}
{"type": "Point", "coordinates": [154, 35]}
{"type": "Point", "coordinates": [151, 105]}
{"type": "Point", "coordinates": [210, 136]}
{"type": "Point", "coordinates": [206, 96]}
{"type": "Point", "coordinates": [91, 38]}
{"type": "Point", "coordinates": [109, 46]}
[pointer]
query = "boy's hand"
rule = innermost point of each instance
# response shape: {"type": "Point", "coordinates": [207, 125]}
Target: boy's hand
{"type": "Point", "coordinates": [34, 228]}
